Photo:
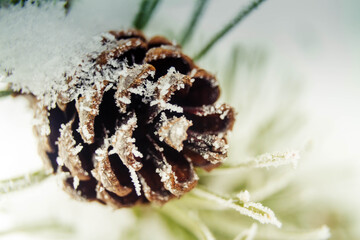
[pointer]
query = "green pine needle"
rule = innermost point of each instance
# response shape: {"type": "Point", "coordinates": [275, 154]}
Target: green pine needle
{"type": "Point", "coordinates": [5, 93]}
{"type": "Point", "coordinates": [145, 12]}
{"type": "Point", "coordinates": [24, 181]}
{"type": "Point", "coordinates": [199, 9]}
{"type": "Point", "coordinates": [238, 18]}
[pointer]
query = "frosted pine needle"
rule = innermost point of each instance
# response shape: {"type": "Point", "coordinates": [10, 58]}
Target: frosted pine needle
{"type": "Point", "coordinates": [272, 186]}
{"type": "Point", "coordinates": [321, 233]}
{"type": "Point", "coordinates": [22, 182]}
{"type": "Point", "coordinates": [251, 209]}
{"type": "Point", "coordinates": [204, 229]}
{"type": "Point", "coordinates": [248, 234]}
{"type": "Point", "coordinates": [277, 159]}
{"type": "Point", "coordinates": [187, 219]}
{"type": "Point", "coordinates": [265, 161]}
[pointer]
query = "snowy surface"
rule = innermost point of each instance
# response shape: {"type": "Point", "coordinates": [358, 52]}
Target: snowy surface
{"type": "Point", "coordinates": [39, 45]}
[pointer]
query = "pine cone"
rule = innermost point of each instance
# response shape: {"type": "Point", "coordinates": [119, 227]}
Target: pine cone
{"type": "Point", "coordinates": [132, 122]}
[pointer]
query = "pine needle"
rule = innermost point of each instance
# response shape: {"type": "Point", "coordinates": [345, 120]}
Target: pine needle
{"type": "Point", "coordinates": [231, 70]}
{"type": "Point", "coordinates": [145, 12]}
{"type": "Point", "coordinates": [199, 9]}
{"type": "Point", "coordinates": [21, 182]}
{"type": "Point", "coordinates": [5, 93]}
{"type": "Point", "coordinates": [191, 223]}
{"type": "Point", "coordinates": [265, 160]}
{"type": "Point", "coordinates": [321, 233]}
{"type": "Point", "coordinates": [48, 225]}
{"type": "Point", "coordinates": [248, 234]}
{"type": "Point", "coordinates": [238, 18]}
{"type": "Point", "coordinates": [242, 204]}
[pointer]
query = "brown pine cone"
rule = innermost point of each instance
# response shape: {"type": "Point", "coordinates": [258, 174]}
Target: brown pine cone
{"type": "Point", "coordinates": [132, 123]}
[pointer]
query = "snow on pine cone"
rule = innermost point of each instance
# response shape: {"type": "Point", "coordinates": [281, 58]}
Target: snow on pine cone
{"type": "Point", "coordinates": [132, 122]}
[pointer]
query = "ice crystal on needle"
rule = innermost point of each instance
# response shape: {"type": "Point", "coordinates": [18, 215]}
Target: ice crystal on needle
{"type": "Point", "coordinates": [131, 122]}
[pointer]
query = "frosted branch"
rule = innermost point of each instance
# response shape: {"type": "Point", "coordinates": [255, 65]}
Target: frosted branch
{"type": "Point", "coordinates": [21, 182]}
{"type": "Point", "coordinates": [242, 204]}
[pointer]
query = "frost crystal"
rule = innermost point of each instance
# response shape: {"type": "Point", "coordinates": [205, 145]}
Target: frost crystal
{"type": "Point", "coordinates": [244, 196]}
{"type": "Point", "coordinates": [136, 181]}
{"type": "Point", "coordinates": [173, 132]}
{"type": "Point", "coordinates": [68, 152]}
{"type": "Point", "coordinates": [124, 145]}
{"type": "Point", "coordinates": [277, 159]}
